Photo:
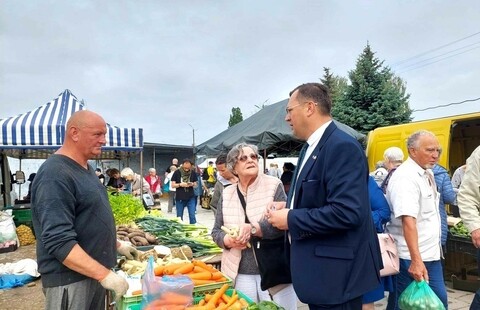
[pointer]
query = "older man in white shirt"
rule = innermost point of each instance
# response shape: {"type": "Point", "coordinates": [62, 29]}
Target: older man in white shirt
{"type": "Point", "coordinates": [415, 224]}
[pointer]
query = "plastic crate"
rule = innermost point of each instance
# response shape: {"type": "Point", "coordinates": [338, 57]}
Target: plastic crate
{"type": "Point", "coordinates": [463, 245]}
{"type": "Point", "coordinates": [22, 215]}
{"type": "Point", "coordinates": [229, 292]}
{"type": "Point", "coordinates": [201, 290]}
{"type": "Point", "coordinates": [130, 303]}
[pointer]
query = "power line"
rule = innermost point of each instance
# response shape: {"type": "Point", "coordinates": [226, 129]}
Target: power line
{"type": "Point", "coordinates": [421, 61]}
{"type": "Point", "coordinates": [435, 49]}
{"type": "Point", "coordinates": [439, 60]}
{"type": "Point", "coordinates": [446, 105]}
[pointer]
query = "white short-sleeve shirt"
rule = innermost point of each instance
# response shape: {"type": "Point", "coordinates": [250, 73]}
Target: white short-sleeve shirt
{"type": "Point", "coordinates": [409, 193]}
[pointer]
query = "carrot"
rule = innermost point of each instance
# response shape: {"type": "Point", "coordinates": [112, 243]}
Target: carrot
{"type": "Point", "coordinates": [197, 307]}
{"type": "Point", "coordinates": [202, 302]}
{"type": "Point", "coordinates": [137, 292]}
{"type": "Point", "coordinates": [243, 302]}
{"type": "Point", "coordinates": [199, 263]}
{"type": "Point", "coordinates": [200, 276]}
{"type": "Point", "coordinates": [225, 298]}
{"type": "Point", "coordinates": [159, 270]}
{"type": "Point", "coordinates": [184, 269]}
{"type": "Point", "coordinates": [233, 299]}
{"type": "Point", "coordinates": [197, 282]}
{"type": "Point", "coordinates": [217, 275]}
{"type": "Point", "coordinates": [169, 269]}
{"type": "Point", "coordinates": [197, 269]}
{"type": "Point", "coordinates": [222, 279]}
{"type": "Point", "coordinates": [207, 297]}
{"type": "Point", "coordinates": [217, 295]}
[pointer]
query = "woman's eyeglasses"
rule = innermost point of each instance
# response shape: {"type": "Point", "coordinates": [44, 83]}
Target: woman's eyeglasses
{"type": "Point", "coordinates": [244, 158]}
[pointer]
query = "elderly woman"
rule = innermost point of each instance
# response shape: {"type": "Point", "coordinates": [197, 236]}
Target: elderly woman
{"type": "Point", "coordinates": [243, 205]}
{"type": "Point", "coordinates": [134, 182]}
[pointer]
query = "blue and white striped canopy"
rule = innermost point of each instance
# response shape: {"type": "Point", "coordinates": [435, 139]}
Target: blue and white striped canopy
{"type": "Point", "coordinates": [40, 132]}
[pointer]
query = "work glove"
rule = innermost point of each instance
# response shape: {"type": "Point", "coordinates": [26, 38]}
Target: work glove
{"type": "Point", "coordinates": [115, 283]}
{"type": "Point", "coordinates": [127, 250]}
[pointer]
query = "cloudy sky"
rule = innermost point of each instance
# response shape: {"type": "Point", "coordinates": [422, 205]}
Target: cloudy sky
{"type": "Point", "coordinates": [170, 66]}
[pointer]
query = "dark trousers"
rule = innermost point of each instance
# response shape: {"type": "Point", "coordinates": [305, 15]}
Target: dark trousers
{"type": "Point", "coordinates": [354, 304]}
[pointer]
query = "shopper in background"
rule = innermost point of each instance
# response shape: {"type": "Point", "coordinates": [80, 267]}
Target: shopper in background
{"type": "Point", "coordinates": [184, 179]}
{"type": "Point", "coordinates": [469, 205]}
{"type": "Point", "coordinates": [172, 192]}
{"type": "Point", "coordinates": [416, 224]}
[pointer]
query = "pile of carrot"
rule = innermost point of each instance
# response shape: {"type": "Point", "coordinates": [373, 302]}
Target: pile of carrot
{"type": "Point", "coordinates": [198, 271]}
{"type": "Point", "coordinates": [170, 301]}
{"type": "Point", "coordinates": [220, 301]}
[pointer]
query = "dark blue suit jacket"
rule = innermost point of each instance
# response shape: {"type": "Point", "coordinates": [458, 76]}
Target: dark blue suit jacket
{"type": "Point", "coordinates": [335, 256]}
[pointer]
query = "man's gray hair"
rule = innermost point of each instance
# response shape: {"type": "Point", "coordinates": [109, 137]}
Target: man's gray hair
{"type": "Point", "coordinates": [152, 170]}
{"type": "Point", "coordinates": [236, 151]}
{"type": "Point", "coordinates": [412, 141]}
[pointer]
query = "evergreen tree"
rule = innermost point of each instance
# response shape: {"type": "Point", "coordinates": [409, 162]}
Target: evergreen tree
{"type": "Point", "coordinates": [337, 85]}
{"type": "Point", "coordinates": [236, 117]}
{"type": "Point", "coordinates": [374, 98]}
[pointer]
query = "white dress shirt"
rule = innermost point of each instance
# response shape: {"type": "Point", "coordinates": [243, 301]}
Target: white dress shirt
{"type": "Point", "coordinates": [312, 144]}
{"type": "Point", "coordinates": [409, 193]}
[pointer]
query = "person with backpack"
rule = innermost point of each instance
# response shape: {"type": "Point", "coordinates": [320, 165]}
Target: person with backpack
{"type": "Point", "coordinates": [209, 175]}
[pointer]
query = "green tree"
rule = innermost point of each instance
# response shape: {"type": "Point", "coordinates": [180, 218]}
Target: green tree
{"type": "Point", "coordinates": [375, 97]}
{"type": "Point", "coordinates": [336, 84]}
{"type": "Point", "coordinates": [236, 117]}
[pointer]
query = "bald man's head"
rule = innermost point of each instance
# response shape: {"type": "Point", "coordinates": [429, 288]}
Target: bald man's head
{"type": "Point", "coordinates": [85, 136]}
{"type": "Point", "coordinates": [83, 118]}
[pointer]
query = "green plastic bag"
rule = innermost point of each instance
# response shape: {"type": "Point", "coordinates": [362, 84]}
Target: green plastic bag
{"type": "Point", "coordinates": [419, 296]}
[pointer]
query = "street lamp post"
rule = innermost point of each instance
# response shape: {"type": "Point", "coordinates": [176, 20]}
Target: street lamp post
{"type": "Point", "coordinates": [193, 140]}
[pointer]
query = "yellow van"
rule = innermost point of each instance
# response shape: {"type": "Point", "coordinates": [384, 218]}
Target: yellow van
{"type": "Point", "coordinates": [458, 135]}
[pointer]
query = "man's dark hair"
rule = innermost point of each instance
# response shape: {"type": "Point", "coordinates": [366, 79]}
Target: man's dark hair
{"type": "Point", "coordinates": [221, 159]}
{"type": "Point", "coordinates": [289, 166]}
{"type": "Point", "coordinates": [316, 92]}
{"type": "Point", "coordinates": [188, 160]}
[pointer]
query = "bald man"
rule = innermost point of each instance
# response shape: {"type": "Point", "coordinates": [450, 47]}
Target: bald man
{"type": "Point", "coordinates": [75, 228]}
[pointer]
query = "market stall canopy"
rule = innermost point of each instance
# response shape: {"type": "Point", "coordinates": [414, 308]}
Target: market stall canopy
{"type": "Point", "coordinates": [40, 132]}
{"type": "Point", "coordinates": [267, 129]}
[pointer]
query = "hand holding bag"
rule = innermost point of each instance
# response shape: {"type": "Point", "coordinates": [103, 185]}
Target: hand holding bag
{"type": "Point", "coordinates": [390, 259]}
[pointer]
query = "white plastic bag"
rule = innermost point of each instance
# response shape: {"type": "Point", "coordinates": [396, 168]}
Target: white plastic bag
{"type": "Point", "coordinates": [8, 232]}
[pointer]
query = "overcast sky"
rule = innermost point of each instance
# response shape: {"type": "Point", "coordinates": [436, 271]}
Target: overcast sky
{"type": "Point", "coordinates": [168, 66]}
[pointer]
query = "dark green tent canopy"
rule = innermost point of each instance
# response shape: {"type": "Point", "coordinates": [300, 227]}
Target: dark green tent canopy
{"type": "Point", "coordinates": [267, 129]}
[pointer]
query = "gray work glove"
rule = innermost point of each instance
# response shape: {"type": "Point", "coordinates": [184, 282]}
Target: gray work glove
{"type": "Point", "coordinates": [127, 250]}
{"type": "Point", "coordinates": [115, 283]}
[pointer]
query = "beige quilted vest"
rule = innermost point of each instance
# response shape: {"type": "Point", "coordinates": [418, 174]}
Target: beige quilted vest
{"type": "Point", "coordinates": [259, 194]}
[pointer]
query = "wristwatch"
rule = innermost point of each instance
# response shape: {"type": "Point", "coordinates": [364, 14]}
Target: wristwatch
{"type": "Point", "coordinates": [253, 231]}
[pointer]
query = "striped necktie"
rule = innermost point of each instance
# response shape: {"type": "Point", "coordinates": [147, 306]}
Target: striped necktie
{"type": "Point", "coordinates": [301, 156]}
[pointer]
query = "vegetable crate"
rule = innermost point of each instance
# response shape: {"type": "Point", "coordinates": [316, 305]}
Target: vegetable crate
{"type": "Point", "coordinates": [23, 216]}
{"type": "Point", "coordinates": [201, 290]}
{"type": "Point", "coordinates": [229, 292]}
{"type": "Point", "coordinates": [130, 303]}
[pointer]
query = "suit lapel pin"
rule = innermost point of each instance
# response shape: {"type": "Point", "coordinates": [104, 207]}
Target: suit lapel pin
{"type": "Point", "coordinates": [314, 157]}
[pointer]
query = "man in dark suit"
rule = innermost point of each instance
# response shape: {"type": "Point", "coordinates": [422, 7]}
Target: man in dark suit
{"type": "Point", "coordinates": [335, 256]}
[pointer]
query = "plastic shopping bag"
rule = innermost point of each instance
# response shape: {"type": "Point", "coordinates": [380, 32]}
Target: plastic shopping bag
{"type": "Point", "coordinates": [419, 296]}
{"type": "Point", "coordinates": [167, 292]}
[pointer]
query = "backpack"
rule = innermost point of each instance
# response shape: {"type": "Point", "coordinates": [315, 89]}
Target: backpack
{"type": "Point", "coordinates": [205, 174]}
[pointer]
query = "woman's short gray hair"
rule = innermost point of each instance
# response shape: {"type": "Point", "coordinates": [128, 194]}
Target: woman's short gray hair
{"type": "Point", "coordinates": [152, 170]}
{"type": "Point", "coordinates": [127, 172]}
{"type": "Point", "coordinates": [235, 152]}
